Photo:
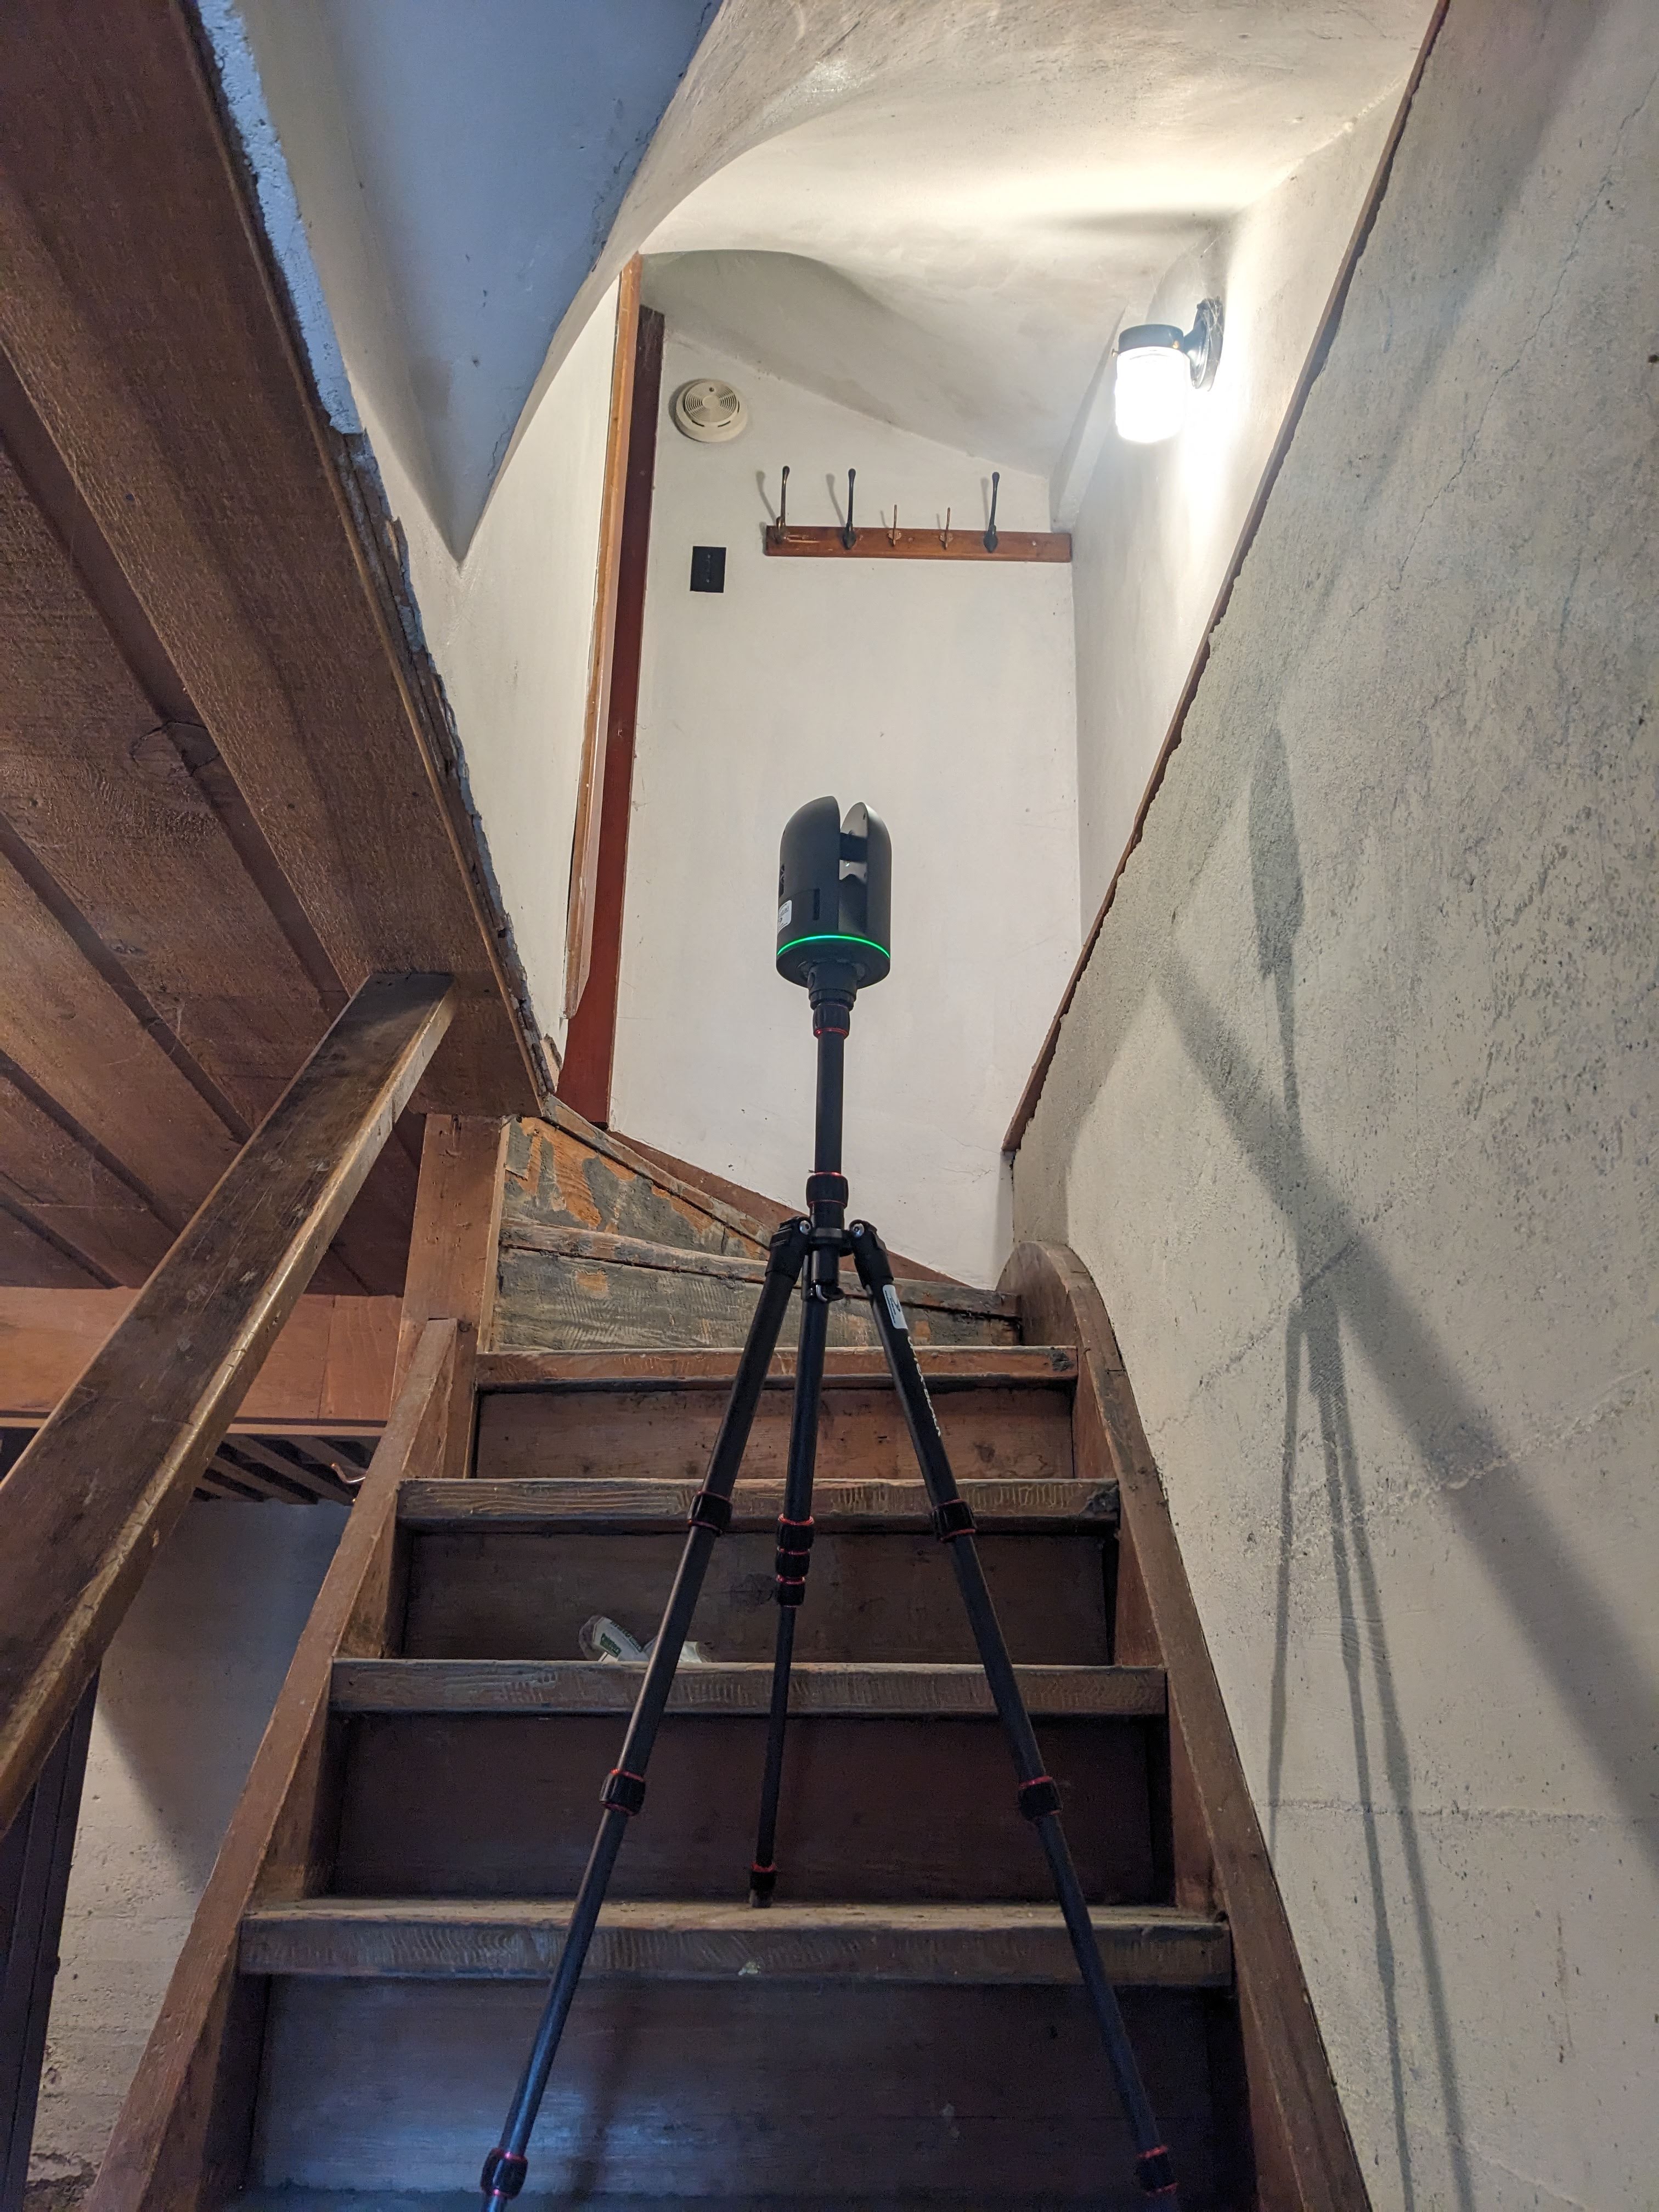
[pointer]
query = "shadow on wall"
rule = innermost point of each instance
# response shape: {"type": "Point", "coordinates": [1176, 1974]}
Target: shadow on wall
{"type": "Point", "coordinates": [1313, 1341]}
{"type": "Point", "coordinates": [1344, 1285]}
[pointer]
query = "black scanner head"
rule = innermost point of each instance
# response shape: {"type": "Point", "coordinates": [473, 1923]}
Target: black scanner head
{"type": "Point", "coordinates": [835, 894]}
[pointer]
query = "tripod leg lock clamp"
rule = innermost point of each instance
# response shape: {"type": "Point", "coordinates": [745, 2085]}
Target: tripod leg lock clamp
{"type": "Point", "coordinates": [1155, 2173]}
{"type": "Point", "coordinates": [503, 2172]}
{"type": "Point", "coordinates": [1039, 1797]}
{"type": "Point", "coordinates": [827, 1189]}
{"type": "Point", "coordinates": [622, 1792]}
{"type": "Point", "coordinates": [762, 1880]}
{"type": "Point", "coordinates": [954, 1518]}
{"type": "Point", "coordinates": [793, 1558]}
{"type": "Point", "coordinates": [710, 1511]}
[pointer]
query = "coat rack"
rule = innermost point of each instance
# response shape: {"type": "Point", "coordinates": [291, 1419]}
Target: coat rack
{"type": "Point", "coordinates": [845, 541]}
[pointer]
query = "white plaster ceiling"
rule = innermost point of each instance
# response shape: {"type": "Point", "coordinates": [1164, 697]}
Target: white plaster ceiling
{"type": "Point", "coordinates": [459, 165]}
{"type": "Point", "coordinates": [936, 211]}
{"type": "Point", "coordinates": [961, 198]}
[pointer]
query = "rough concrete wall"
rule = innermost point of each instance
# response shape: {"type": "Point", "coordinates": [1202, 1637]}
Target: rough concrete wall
{"type": "Point", "coordinates": [183, 1700]}
{"type": "Point", "coordinates": [1352, 1120]}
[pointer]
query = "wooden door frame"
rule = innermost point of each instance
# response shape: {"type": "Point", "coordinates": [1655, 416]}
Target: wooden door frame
{"type": "Point", "coordinates": [590, 1042]}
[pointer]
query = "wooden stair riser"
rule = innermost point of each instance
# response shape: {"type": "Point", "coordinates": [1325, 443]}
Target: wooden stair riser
{"type": "Point", "coordinates": [1019, 1434]}
{"type": "Point", "coordinates": [876, 1810]}
{"type": "Point", "coordinates": [555, 1181]}
{"type": "Point", "coordinates": [661, 2089]}
{"type": "Point", "coordinates": [519, 1595]}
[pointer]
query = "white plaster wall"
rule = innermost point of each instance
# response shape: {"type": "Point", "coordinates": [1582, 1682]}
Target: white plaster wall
{"type": "Point", "coordinates": [942, 697]}
{"type": "Point", "coordinates": [1352, 1120]}
{"type": "Point", "coordinates": [183, 1699]}
{"type": "Point", "coordinates": [510, 629]}
{"type": "Point", "coordinates": [1155, 526]}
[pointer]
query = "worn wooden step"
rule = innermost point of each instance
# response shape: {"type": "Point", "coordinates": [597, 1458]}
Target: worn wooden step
{"type": "Point", "coordinates": [943, 1366]}
{"type": "Point", "coordinates": [562, 1285]}
{"type": "Point", "coordinates": [481, 1591]}
{"type": "Point", "coordinates": [520, 1938]}
{"type": "Point", "coordinates": [842, 2093]}
{"type": "Point", "coordinates": [875, 1808]}
{"type": "Point", "coordinates": [844, 1690]}
{"type": "Point", "coordinates": [567, 1504]}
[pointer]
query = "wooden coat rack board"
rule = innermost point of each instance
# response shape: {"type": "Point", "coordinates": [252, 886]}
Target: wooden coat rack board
{"type": "Point", "coordinates": [885, 541]}
{"type": "Point", "coordinates": [883, 545]}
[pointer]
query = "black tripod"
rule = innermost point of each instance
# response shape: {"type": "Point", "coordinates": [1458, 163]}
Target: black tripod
{"type": "Point", "coordinates": [819, 1244]}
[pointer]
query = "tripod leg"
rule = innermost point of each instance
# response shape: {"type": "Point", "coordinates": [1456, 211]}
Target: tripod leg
{"type": "Point", "coordinates": [794, 1557]}
{"type": "Point", "coordinates": [1038, 1795]}
{"type": "Point", "coordinates": [624, 1793]}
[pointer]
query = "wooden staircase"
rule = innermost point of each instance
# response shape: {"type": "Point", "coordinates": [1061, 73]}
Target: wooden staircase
{"type": "Point", "coordinates": [904, 2025]}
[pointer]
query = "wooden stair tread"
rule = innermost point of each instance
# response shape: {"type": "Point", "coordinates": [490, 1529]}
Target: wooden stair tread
{"type": "Point", "coordinates": [945, 1366]}
{"type": "Point", "coordinates": [519, 1939]}
{"type": "Point", "coordinates": [904, 1689]}
{"type": "Point", "coordinates": [1003, 1505]}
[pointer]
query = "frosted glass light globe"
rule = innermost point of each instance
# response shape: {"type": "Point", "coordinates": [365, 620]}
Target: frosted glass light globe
{"type": "Point", "coordinates": [1152, 388]}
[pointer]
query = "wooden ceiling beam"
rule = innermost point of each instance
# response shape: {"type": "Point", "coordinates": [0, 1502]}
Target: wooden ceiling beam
{"type": "Point", "coordinates": [28, 1256]}
{"type": "Point", "coordinates": [97, 802]}
{"type": "Point", "coordinates": [312, 1484]}
{"type": "Point", "coordinates": [139, 317]}
{"type": "Point", "coordinates": [79, 1043]}
{"type": "Point", "coordinates": [70, 1188]}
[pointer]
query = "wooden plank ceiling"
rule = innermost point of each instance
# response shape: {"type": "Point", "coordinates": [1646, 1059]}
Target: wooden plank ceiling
{"type": "Point", "coordinates": [227, 793]}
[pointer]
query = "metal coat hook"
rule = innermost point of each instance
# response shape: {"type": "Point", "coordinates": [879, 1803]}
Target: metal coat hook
{"type": "Point", "coordinates": [991, 531]}
{"type": "Point", "coordinates": [944, 539]}
{"type": "Point", "coordinates": [782, 525]}
{"type": "Point", "coordinates": [849, 537]}
{"type": "Point", "coordinates": [892, 535]}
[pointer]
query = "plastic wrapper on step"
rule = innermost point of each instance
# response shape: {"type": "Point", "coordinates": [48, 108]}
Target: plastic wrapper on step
{"type": "Point", "coordinates": [601, 1638]}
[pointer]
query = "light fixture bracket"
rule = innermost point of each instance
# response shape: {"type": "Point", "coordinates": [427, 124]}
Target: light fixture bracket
{"type": "Point", "coordinates": [1202, 344]}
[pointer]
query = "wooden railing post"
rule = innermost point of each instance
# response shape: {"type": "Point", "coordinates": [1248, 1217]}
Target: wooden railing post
{"type": "Point", "coordinates": [452, 1258]}
{"type": "Point", "coordinates": [88, 1506]}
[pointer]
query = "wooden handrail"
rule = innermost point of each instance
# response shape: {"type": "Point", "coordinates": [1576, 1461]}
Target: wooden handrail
{"type": "Point", "coordinates": [1305, 2159]}
{"type": "Point", "coordinates": [88, 1506]}
{"type": "Point", "coordinates": [181, 2137]}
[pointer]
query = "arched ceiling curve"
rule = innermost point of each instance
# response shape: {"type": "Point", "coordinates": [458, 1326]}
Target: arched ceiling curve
{"type": "Point", "coordinates": [986, 187]}
{"type": "Point", "coordinates": [935, 210]}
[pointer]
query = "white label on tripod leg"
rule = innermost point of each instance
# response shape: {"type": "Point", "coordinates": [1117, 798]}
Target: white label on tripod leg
{"type": "Point", "coordinates": [894, 1308]}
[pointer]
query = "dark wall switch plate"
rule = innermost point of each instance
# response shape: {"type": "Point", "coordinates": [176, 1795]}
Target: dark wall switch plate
{"type": "Point", "coordinates": [708, 568]}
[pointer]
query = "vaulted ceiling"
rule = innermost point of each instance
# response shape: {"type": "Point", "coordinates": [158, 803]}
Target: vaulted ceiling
{"type": "Point", "coordinates": [937, 211]}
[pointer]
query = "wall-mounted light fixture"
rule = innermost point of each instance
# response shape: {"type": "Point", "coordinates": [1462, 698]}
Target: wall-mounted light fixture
{"type": "Point", "coordinates": [1158, 368]}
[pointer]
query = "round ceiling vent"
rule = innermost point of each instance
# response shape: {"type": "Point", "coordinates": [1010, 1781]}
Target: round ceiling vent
{"type": "Point", "coordinates": [708, 410]}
